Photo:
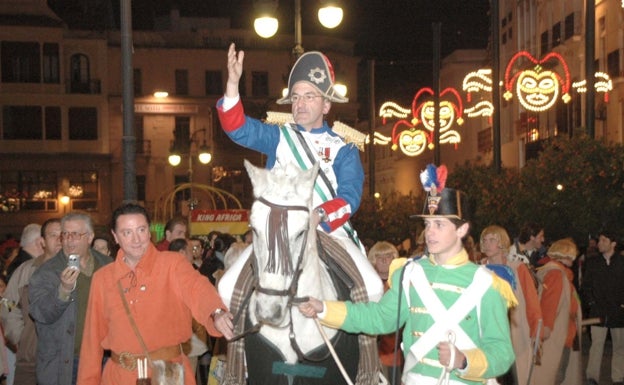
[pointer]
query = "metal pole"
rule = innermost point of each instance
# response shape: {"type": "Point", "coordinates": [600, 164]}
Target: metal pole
{"type": "Point", "coordinates": [437, 27]}
{"type": "Point", "coordinates": [590, 34]}
{"type": "Point", "coordinates": [190, 177]}
{"type": "Point", "coordinates": [496, 136]}
{"type": "Point", "coordinates": [128, 139]}
{"type": "Point", "coordinates": [298, 49]}
{"type": "Point", "coordinates": [371, 127]}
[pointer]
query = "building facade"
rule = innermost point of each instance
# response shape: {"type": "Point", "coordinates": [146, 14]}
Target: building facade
{"type": "Point", "coordinates": [547, 39]}
{"type": "Point", "coordinates": [61, 126]}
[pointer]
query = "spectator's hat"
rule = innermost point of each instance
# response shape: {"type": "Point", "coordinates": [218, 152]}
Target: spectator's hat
{"type": "Point", "coordinates": [441, 201]}
{"type": "Point", "coordinates": [314, 68]}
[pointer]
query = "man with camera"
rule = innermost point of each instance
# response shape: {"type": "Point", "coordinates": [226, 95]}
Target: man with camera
{"type": "Point", "coordinates": [58, 294]}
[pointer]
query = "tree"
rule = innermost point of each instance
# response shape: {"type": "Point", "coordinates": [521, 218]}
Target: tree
{"type": "Point", "coordinates": [574, 188]}
{"type": "Point", "coordinates": [388, 218]}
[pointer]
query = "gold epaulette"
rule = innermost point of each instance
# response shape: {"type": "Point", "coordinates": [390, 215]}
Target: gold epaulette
{"type": "Point", "coordinates": [505, 290]}
{"type": "Point", "coordinates": [349, 134]}
{"type": "Point", "coordinates": [280, 118]}
{"type": "Point", "coordinates": [396, 264]}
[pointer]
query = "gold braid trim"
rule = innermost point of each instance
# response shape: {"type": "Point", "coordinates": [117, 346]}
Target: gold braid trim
{"type": "Point", "coordinates": [349, 134]}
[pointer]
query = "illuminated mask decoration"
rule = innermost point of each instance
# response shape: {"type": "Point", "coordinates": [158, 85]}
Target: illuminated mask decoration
{"type": "Point", "coordinates": [408, 137]}
{"type": "Point", "coordinates": [537, 88]}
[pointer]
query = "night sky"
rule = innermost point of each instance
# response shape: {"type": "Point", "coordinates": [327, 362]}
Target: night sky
{"type": "Point", "coordinates": [396, 33]}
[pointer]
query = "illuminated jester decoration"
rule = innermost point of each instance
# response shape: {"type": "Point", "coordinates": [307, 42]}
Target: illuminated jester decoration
{"type": "Point", "coordinates": [406, 134]}
{"type": "Point", "coordinates": [537, 88]}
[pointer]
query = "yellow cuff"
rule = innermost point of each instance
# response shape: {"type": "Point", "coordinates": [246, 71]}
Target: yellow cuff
{"type": "Point", "coordinates": [477, 365]}
{"type": "Point", "coordinates": [335, 314]}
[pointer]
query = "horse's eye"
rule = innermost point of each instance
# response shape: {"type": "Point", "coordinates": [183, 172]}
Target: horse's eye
{"type": "Point", "coordinates": [299, 236]}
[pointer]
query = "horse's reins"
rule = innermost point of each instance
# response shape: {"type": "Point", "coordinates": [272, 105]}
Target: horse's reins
{"type": "Point", "coordinates": [278, 238]}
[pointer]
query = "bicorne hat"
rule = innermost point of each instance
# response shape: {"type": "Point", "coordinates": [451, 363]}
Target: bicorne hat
{"type": "Point", "coordinates": [314, 67]}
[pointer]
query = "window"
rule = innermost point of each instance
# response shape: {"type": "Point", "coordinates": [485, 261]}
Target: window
{"type": "Point", "coordinates": [569, 27]}
{"type": "Point", "coordinates": [50, 63]}
{"type": "Point", "coordinates": [80, 77]}
{"type": "Point", "coordinates": [20, 62]}
{"type": "Point", "coordinates": [28, 190]}
{"type": "Point", "coordinates": [83, 190]}
{"type": "Point", "coordinates": [259, 83]}
{"type": "Point", "coordinates": [83, 123]}
{"type": "Point", "coordinates": [181, 82]}
{"type": "Point", "coordinates": [182, 134]}
{"type": "Point", "coordinates": [613, 63]}
{"type": "Point", "coordinates": [138, 82]}
{"type": "Point", "coordinates": [214, 83]}
{"type": "Point", "coordinates": [544, 43]}
{"type": "Point", "coordinates": [556, 34]}
{"type": "Point", "coordinates": [52, 123]}
{"type": "Point", "coordinates": [22, 123]}
{"type": "Point", "coordinates": [484, 140]}
{"type": "Point", "coordinates": [141, 182]}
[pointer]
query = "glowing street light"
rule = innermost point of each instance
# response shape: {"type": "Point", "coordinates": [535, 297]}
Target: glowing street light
{"type": "Point", "coordinates": [266, 24]}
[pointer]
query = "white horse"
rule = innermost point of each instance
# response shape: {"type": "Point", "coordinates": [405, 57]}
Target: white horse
{"type": "Point", "coordinates": [287, 266]}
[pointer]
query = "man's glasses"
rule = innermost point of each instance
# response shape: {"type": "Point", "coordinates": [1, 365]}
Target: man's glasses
{"type": "Point", "coordinates": [306, 98]}
{"type": "Point", "coordinates": [73, 236]}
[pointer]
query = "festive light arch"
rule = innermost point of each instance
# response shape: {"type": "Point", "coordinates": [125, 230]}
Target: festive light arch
{"type": "Point", "coordinates": [602, 83]}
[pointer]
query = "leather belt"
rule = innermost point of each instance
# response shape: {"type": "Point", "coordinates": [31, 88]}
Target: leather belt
{"type": "Point", "coordinates": [128, 361]}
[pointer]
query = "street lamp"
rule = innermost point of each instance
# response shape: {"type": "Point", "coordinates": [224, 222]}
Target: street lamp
{"type": "Point", "coordinates": [266, 25]}
{"type": "Point", "coordinates": [180, 147]}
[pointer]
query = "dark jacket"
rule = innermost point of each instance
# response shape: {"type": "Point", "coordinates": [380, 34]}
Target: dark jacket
{"type": "Point", "coordinates": [55, 320]}
{"type": "Point", "coordinates": [603, 289]}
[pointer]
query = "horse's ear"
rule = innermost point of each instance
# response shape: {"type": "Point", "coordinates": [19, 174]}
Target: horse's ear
{"type": "Point", "coordinates": [309, 178]}
{"type": "Point", "coordinates": [255, 175]}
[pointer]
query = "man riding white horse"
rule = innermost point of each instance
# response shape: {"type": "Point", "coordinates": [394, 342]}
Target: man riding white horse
{"type": "Point", "coordinates": [310, 140]}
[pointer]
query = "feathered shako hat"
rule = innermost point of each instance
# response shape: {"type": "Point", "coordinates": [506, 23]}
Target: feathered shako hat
{"type": "Point", "coordinates": [441, 201]}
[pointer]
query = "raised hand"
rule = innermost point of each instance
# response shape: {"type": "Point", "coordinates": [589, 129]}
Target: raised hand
{"type": "Point", "coordinates": [235, 70]}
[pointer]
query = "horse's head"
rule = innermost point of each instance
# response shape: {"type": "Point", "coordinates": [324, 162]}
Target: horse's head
{"type": "Point", "coordinates": [280, 221]}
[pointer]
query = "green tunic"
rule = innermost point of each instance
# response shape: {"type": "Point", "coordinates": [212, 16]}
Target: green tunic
{"type": "Point", "coordinates": [486, 324]}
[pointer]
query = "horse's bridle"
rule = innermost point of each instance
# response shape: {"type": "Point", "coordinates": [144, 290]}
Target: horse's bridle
{"type": "Point", "coordinates": [276, 219]}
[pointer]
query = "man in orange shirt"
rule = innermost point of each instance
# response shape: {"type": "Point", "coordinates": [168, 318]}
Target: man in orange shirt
{"type": "Point", "coordinates": [162, 292]}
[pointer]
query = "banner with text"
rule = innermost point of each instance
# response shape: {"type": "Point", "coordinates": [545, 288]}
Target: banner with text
{"type": "Point", "coordinates": [226, 221]}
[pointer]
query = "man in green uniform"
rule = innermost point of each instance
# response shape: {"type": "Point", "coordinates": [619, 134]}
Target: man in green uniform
{"type": "Point", "coordinates": [454, 312]}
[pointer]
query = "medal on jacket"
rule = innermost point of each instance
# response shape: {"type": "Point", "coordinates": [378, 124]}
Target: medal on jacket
{"type": "Point", "coordinates": [324, 154]}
